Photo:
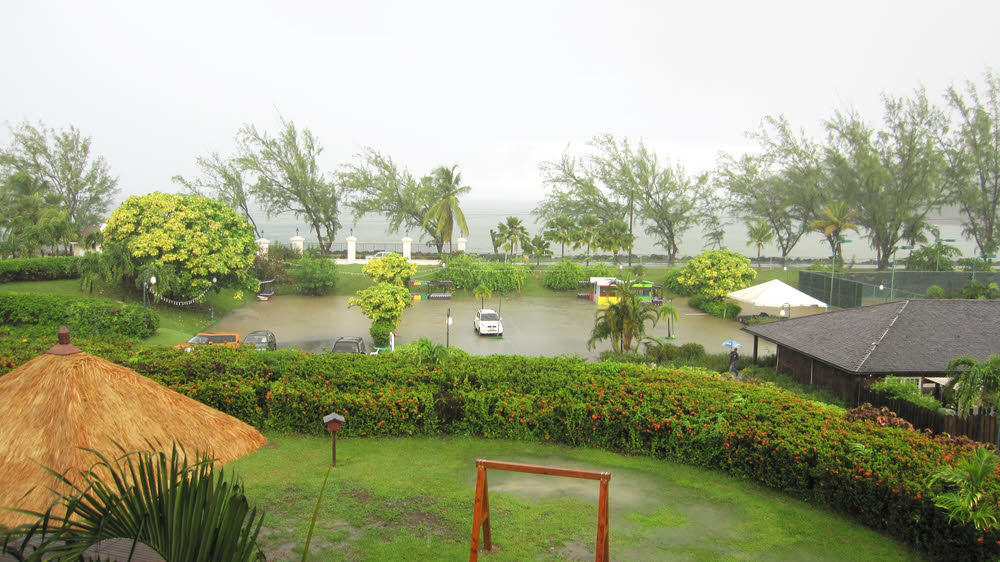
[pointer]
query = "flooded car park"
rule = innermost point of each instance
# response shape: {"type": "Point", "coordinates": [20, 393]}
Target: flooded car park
{"type": "Point", "coordinates": [552, 325]}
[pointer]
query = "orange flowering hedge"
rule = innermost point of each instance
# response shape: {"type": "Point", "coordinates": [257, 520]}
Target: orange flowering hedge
{"type": "Point", "coordinates": [873, 474]}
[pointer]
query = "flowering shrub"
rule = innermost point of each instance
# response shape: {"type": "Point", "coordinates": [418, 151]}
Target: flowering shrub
{"type": "Point", "coordinates": [715, 274]}
{"type": "Point", "coordinates": [877, 475]}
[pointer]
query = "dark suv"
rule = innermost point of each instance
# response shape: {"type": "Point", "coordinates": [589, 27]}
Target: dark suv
{"type": "Point", "coordinates": [261, 339]}
{"type": "Point", "coordinates": [350, 345]}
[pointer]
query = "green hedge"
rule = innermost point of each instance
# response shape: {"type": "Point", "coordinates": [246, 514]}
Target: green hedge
{"type": "Point", "coordinates": [567, 274]}
{"type": "Point", "coordinates": [715, 307]}
{"type": "Point", "coordinates": [84, 316]}
{"type": "Point", "coordinates": [39, 269]}
{"type": "Point", "coordinates": [874, 474]}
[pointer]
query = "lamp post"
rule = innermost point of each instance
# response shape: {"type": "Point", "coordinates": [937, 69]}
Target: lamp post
{"type": "Point", "coordinates": [892, 279]}
{"type": "Point", "coordinates": [152, 282]}
{"type": "Point", "coordinates": [447, 330]}
{"type": "Point", "coordinates": [212, 306]}
{"type": "Point", "coordinates": [937, 248]}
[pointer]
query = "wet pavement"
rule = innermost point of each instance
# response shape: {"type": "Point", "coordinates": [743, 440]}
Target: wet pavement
{"type": "Point", "coordinates": [550, 325]}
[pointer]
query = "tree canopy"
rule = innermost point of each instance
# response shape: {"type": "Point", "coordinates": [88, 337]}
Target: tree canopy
{"type": "Point", "coordinates": [288, 179]}
{"type": "Point", "coordinates": [185, 241]}
{"type": "Point", "coordinates": [61, 164]}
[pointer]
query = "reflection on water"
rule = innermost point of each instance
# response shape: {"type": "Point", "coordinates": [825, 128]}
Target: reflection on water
{"type": "Point", "coordinates": [553, 325]}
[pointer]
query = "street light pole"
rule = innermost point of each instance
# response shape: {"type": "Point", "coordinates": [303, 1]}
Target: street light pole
{"type": "Point", "coordinates": [836, 253]}
{"type": "Point", "coordinates": [447, 330]}
{"type": "Point", "coordinates": [892, 280]}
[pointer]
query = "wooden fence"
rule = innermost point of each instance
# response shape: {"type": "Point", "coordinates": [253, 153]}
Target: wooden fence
{"type": "Point", "coordinates": [981, 427]}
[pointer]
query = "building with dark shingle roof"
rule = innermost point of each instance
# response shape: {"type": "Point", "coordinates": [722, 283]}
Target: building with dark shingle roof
{"type": "Point", "coordinates": [911, 338]}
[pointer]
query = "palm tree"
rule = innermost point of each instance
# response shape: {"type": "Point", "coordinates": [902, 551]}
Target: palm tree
{"type": "Point", "coordinates": [183, 510]}
{"type": "Point", "coordinates": [974, 382]}
{"type": "Point", "coordinates": [446, 211]}
{"type": "Point", "coordinates": [760, 233]}
{"type": "Point", "coordinates": [483, 292]}
{"type": "Point", "coordinates": [513, 234]}
{"type": "Point", "coordinates": [833, 220]}
{"type": "Point", "coordinates": [614, 236]}
{"type": "Point", "coordinates": [586, 233]}
{"type": "Point", "coordinates": [965, 503]}
{"type": "Point", "coordinates": [561, 230]}
{"type": "Point", "coordinates": [624, 322]}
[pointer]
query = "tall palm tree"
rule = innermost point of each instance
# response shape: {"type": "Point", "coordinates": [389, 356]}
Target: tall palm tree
{"type": "Point", "coordinates": [760, 233]}
{"type": "Point", "coordinates": [834, 219]}
{"type": "Point", "coordinates": [975, 382]}
{"type": "Point", "coordinates": [586, 233]}
{"type": "Point", "coordinates": [561, 230]}
{"type": "Point", "coordinates": [446, 212]}
{"type": "Point", "coordinates": [513, 234]}
{"type": "Point", "coordinates": [614, 236]}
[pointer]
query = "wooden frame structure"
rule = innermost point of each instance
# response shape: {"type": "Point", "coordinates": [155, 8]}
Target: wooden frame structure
{"type": "Point", "coordinates": [481, 511]}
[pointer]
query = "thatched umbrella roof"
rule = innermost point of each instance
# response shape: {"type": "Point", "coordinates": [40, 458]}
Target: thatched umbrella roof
{"type": "Point", "coordinates": [65, 400]}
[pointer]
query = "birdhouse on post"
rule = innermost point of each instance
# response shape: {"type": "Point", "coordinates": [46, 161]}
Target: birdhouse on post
{"type": "Point", "coordinates": [333, 423]}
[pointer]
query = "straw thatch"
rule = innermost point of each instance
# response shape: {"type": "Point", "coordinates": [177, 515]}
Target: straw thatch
{"type": "Point", "coordinates": [56, 404]}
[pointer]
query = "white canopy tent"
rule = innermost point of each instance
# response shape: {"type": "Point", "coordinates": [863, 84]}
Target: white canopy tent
{"type": "Point", "coordinates": [774, 295]}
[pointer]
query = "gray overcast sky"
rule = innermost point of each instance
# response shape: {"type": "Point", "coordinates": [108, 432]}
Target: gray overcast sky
{"type": "Point", "coordinates": [493, 88]}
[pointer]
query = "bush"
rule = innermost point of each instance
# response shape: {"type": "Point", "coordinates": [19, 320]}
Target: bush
{"type": "Point", "coordinates": [564, 276]}
{"type": "Point", "coordinates": [81, 315]}
{"type": "Point", "coordinates": [908, 390]}
{"type": "Point", "coordinates": [39, 269]}
{"type": "Point", "coordinates": [876, 474]}
{"type": "Point", "coordinates": [672, 286]}
{"type": "Point", "coordinates": [691, 351]}
{"type": "Point", "coordinates": [716, 273]}
{"type": "Point", "coordinates": [380, 332]}
{"type": "Point", "coordinates": [468, 271]}
{"type": "Point", "coordinates": [715, 307]}
{"type": "Point", "coordinates": [315, 276]}
{"type": "Point", "coordinates": [935, 292]}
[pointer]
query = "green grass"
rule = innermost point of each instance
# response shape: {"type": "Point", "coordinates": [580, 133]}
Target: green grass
{"type": "Point", "coordinates": [412, 498]}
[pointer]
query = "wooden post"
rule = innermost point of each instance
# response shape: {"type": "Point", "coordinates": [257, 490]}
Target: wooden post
{"type": "Point", "coordinates": [602, 520]}
{"type": "Point", "coordinates": [333, 423]}
{"type": "Point", "coordinates": [480, 514]}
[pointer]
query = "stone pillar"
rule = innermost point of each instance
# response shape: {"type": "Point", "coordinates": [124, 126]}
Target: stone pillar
{"type": "Point", "coordinates": [352, 248]}
{"type": "Point", "coordinates": [298, 244]}
{"type": "Point", "coordinates": [461, 244]}
{"type": "Point", "coordinates": [75, 249]}
{"type": "Point", "coordinates": [263, 244]}
{"type": "Point", "coordinates": [407, 245]}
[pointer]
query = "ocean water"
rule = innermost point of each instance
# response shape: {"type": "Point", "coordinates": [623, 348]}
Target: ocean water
{"type": "Point", "coordinates": [482, 215]}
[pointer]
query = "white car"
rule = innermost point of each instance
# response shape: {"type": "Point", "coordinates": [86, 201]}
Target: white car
{"type": "Point", "coordinates": [488, 322]}
{"type": "Point", "coordinates": [378, 255]}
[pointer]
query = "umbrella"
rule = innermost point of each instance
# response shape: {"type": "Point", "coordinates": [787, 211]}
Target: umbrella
{"type": "Point", "coordinates": [65, 401]}
{"type": "Point", "coordinates": [732, 343]}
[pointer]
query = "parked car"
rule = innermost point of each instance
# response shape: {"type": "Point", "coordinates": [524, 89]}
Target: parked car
{"type": "Point", "coordinates": [349, 345]}
{"type": "Point", "coordinates": [378, 255]}
{"type": "Point", "coordinates": [488, 322]}
{"type": "Point", "coordinates": [261, 339]}
{"type": "Point", "coordinates": [208, 338]}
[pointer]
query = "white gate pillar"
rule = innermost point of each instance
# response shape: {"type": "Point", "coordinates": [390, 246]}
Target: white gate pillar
{"type": "Point", "coordinates": [461, 244]}
{"type": "Point", "coordinates": [297, 244]}
{"type": "Point", "coordinates": [263, 244]}
{"type": "Point", "coordinates": [407, 246]}
{"type": "Point", "coordinates": [352, 248]}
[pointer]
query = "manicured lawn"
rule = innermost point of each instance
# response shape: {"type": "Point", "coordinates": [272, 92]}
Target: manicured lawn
{"type": "Point", "coordinates": [412, 498]}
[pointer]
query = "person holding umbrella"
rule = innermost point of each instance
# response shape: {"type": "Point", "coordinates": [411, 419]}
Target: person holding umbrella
{"type": "Point", "coordinates": [734, 356]}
